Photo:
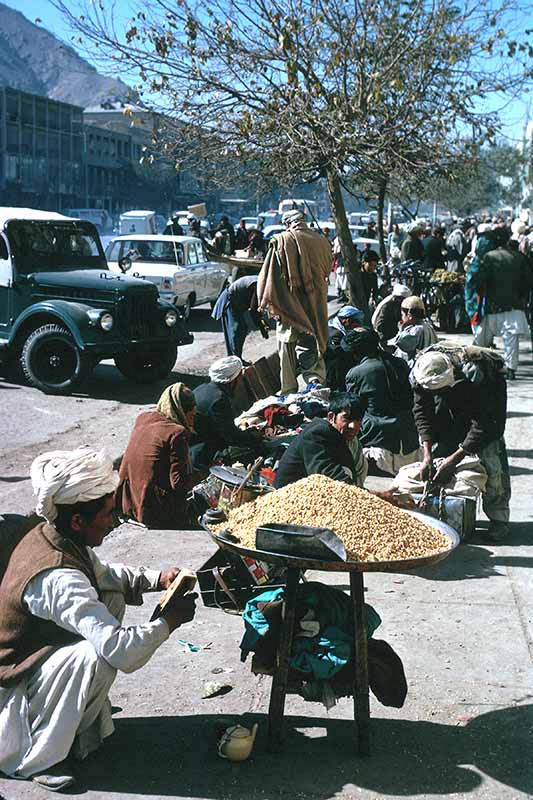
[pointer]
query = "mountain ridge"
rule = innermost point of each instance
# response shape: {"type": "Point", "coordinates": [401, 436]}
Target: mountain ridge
{"type": "Point", "coordinates": [34, 60]}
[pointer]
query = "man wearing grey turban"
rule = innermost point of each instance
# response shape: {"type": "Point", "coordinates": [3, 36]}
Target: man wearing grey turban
{"type": "Point", "coordinates": [293, 288]}
{"type": "Point", "coordinates": [61, 635]}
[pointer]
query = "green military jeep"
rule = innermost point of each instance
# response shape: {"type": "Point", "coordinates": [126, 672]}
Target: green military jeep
{"type": "Point", "coordinates": [62, 310]}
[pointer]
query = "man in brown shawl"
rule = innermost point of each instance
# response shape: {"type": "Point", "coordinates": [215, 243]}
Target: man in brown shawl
{"type": "Point", "coordinates": [293, 287]}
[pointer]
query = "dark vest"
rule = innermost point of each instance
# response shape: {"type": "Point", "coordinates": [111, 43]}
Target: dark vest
{"type": "Point", "coordinates": [26, 640]}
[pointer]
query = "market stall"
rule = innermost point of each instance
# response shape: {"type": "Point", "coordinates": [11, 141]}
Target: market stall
{"type": "Point", "coordinates": [414, 540]}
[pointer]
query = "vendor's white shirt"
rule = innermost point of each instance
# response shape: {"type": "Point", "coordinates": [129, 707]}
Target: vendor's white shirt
{"type": "Point", "coordinates": [66, 597]}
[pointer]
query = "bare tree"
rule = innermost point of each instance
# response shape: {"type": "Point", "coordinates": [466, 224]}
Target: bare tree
{"type": "Point", "coordinates": [299, 90]}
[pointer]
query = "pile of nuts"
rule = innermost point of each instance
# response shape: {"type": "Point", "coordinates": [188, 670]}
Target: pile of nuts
{"type": "Point", "coordinates": [370, 528]}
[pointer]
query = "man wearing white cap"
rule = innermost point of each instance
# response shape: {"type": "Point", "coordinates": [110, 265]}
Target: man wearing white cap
{"type": "Point", "coordinates": [215, 429]}
{"type": "Point", "coordinates": [416, 332]}
{"type": "Point", "coordinates": [293, 288]}
{"type": "Point", "coordinates": [61, 608]}
{"type": "Point", "coordinates": [460, 410]}
{"type": "Point", "coordinates": [386, 318]}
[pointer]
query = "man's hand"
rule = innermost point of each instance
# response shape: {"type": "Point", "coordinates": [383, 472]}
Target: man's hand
{"type": "Point", "coordinates": [446, 468]}
{"type": "Point", "coordinates": [426, 469]}
{"type": "Point", "coordinates": [180, 611]}
{"type": "Point", "coordinates": [167, 576]}
{"type": "Point", "coordinates": [399, 500]}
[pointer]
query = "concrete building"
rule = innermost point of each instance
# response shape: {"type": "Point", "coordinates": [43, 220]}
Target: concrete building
{"type": "Point", "coordinates": [55, 156]}
{"type": "Point", "coordinates": [41, 151]}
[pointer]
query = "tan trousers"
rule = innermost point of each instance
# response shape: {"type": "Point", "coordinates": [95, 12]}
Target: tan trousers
{"type": "Point", "coordinates": [299, 356]}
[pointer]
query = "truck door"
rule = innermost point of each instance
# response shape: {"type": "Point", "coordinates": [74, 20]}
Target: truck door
{"type": "Point", "coordinates": [6, 280]}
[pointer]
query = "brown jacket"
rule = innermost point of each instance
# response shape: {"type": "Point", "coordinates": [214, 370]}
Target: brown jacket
{"type": "Point", "coordinates": [26, 640]}
{"type": "Point", "coordinates": [156, 472]}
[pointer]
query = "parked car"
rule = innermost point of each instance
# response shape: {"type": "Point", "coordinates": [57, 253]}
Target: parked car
{"type": "Point", "coordinates": [137, 222]}
{"type": "Point", "coordinates": [362, 243]}
{"type": "Point", "coordinates": [251, 222]}
{"type": "Point", "coordinates": [62, 310]}
{"type": "Point", "coordinates": [177, 265]}
{"type": "Point", "coordinates": [270, 230]}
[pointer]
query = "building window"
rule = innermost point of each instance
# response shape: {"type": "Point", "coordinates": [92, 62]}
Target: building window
{"type": "Point", "coordinates": [53, 116]}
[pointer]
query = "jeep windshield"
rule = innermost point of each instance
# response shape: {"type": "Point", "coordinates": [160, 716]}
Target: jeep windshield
{"type": "Point", "coordinates": [47, 246]}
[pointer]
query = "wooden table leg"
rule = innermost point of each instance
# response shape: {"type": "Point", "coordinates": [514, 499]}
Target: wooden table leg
{"type": "Point", "coordinates": [360, 693]}
{"type": "Point", "coordinates": [279, 681]}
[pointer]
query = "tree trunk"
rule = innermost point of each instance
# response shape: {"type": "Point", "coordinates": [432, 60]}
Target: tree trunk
{"type": "Point", "coordinates": [348, 251]}
{"type": "Point", "coordinates": [381, 206]}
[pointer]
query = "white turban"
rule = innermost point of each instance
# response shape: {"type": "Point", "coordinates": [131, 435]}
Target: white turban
{"type": "Point", "coordinates": [225, 369]}
{"type": "Point", "coordinates": [293, 216]}
{"type": "Point", "coordinates": [65, 477]}
{"type": "Point", "coordinates": [433, 371]}
{"type": "Point", "coordinates": [399, 290]}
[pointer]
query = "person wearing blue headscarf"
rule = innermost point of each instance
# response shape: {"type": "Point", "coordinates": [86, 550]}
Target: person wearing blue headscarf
{"type": "Point", "coordinates": [337, 363]}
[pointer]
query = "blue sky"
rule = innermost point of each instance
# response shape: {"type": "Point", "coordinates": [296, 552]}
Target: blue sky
{"type": "Point", "coordinates": [515, 115]}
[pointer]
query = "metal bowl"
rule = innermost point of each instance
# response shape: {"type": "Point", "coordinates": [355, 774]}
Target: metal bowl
{"type": "Point", "coordinates": [349, 566]}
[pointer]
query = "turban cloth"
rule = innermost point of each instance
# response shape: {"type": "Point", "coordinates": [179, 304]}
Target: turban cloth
{"type": "Point", "coordinates": [433, 371]}
{"type": "Point", "coordinates": [65, 477]}
{"type": "Point", "coordinates": [225, 369]}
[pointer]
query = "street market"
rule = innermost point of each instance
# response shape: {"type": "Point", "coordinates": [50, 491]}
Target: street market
{"type": "Point", "coordinates": [266, 363]}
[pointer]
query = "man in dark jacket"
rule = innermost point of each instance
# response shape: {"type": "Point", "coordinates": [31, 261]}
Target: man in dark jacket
{"type": "Point", "coordinates": [388, 433]}
{"type": "Point", "coordinates": [173, 227]}
{"type": "Point", "coordinates": [226, 228]}
{"type": "Point", "coordinates": [236, 308]}
{"type": "Point", "coordinates": [412, 247]}
{"type": "Point", "coordinates": [433, 250]}
{"type": "Point", "coordinates": [504, 279]}
{"type": "Point", "coordinates": [463, 412]}
{"type": "Point", "coordinates": [214, 422]}
{"type": "Point", "coordinates": [322, 448]}
{"type": "Point", "coordinates": [338, 362]}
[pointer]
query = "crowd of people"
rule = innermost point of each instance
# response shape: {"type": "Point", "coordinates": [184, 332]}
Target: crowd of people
{"type": "Point", "coordinates": [395, 396]}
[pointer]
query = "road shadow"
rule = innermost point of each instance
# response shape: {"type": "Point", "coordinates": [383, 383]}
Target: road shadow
{"type": "Point", "coordinates": [514, 453]}
{"type": "Point", "coordinates": [177, 757]}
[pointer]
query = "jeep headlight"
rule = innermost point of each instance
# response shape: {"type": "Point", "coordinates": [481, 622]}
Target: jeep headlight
{"type": "Point", "coordinates": [100, 317]}
{"type": "Point", "coordinates": [106, 321]}
{"type": "Point", "coordinates": [171, 317]}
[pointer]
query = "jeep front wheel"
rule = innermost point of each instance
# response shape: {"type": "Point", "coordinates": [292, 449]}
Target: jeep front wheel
{"type": "Point", "coordinates": [52, 362]}
{"type": "Point", "coordinates": [146, 365]}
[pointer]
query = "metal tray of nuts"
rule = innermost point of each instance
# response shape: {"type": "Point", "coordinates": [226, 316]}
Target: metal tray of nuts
{"type": "Point", "coordinates": [348, 566]}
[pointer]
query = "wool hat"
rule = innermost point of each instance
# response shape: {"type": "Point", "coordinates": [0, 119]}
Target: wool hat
{"type": "Point", "coordinates": [413, 302]}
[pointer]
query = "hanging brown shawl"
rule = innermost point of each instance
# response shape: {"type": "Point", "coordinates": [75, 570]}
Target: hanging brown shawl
{"type": "Point", "coordinates": [293, 282]}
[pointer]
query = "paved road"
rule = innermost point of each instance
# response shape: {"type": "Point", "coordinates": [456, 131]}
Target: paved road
{"type": "Point", "coordinates": [464, 630]}
{"type": "Point", "coordinates": [102, 412]}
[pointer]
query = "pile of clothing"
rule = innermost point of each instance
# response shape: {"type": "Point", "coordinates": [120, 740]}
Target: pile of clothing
{"type": "Point", "coordinates": [281, 415]}
{"type": "Point", "coordinates": [323, 647]}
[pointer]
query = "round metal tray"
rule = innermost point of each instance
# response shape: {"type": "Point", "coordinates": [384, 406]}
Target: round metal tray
{"type": "Point", "coordinates": [350, 566]}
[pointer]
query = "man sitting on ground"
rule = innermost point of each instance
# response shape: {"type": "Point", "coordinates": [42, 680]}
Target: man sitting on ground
{"type": "Point", "coordinates": [416, 332]}
{"type": "Point", "coordinates": [61, 634]}
{"type": "Point", "coordinates": [323, 447]}
{"type": "Point", "coordinates": [337, 364]}
{"type": "Point", "coordinates": [388, 314]}
{"type": "Point", "coordinates": [215, 429]}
